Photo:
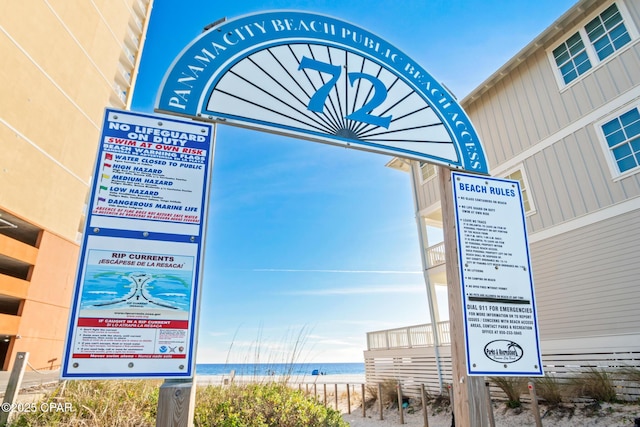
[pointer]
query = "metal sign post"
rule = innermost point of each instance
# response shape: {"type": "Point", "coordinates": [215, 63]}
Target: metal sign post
{"type": "Point", "coordinates": [13, 386]}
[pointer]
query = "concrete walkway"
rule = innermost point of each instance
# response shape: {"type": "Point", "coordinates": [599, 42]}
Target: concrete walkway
{"type": "Point", "coordinates": [30, 380]}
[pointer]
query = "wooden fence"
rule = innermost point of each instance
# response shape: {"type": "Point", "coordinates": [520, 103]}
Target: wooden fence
{"type": "Point", "coordinates": [411, 362]}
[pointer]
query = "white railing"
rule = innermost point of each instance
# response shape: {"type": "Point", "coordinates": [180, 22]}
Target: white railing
{"type": "Point", "coordinates": [435, 255]}
{"type": "Point", "coordinates": [617, 357]}
{"type": "Point", "coordinates": [408, 337]}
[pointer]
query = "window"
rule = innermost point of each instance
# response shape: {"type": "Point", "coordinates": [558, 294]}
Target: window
{"type": "Point", "coordinates": [517, 175]}
{"type": "Point", "coordinates": [607, 32]}
{"type": "Point", "coordinates": [572, 58]}
{"type": "Point", "coordinates": [622, 136]}
{"type": "Point", "coordinates": [427, 171]}
{"type": "Point", "coordinates": [591, 44]}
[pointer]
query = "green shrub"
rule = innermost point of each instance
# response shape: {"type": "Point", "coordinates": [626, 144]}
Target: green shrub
{"type": "Point", "coordinates": [134, 403]}
{"type": "Point", "coordinates": [261, 405]}
{"type": "Point", "coordinates": [513, 387]}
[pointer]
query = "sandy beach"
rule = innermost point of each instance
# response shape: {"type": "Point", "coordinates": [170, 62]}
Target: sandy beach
{"type": "Point", "coordinates": [578, 415]}
{"type": "Point", "coordinates": [617, 415]}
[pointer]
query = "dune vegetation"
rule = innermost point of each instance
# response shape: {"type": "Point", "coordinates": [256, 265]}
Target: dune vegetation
{"type": "Point", "coordinates": [134, 403]}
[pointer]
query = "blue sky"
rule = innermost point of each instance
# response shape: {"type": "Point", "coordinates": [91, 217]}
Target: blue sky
{"type": "Point", "coordinates": [313, 244]}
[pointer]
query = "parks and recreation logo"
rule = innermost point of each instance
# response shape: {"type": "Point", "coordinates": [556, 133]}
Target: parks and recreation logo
{"type": "Point", "coordinates": [503, 351]}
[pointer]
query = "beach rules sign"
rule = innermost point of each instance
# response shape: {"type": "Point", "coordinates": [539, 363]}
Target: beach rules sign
{"type": "Point", "coordinates": [500, 321]}
{"type": "Point", "coordinates": [135, 304]}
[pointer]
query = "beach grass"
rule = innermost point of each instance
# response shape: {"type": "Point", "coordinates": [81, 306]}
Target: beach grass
{"type": "Point", "coordinates": [95, 403]}
{"type": "Point", "coordinates": [513, 387]}
{"type": "Point", "coordinates": [550, 390]}
{"type": "Point", "coordinates": [134, 403]}
{"type": "Point", "coordinates": [595, 384]}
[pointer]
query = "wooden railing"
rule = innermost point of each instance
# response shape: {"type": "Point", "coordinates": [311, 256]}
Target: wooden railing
{"type": "Point", "coordinates": [408, 337]}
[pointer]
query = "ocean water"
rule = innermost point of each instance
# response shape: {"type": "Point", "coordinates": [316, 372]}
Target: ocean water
{"type": "Point", "coordinates": [296, 369]}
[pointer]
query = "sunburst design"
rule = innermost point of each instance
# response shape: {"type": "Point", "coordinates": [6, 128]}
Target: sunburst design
{"type": "Point", "coordinates": [333, 94]}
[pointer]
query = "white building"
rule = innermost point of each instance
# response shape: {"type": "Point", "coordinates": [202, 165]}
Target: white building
{"type": "Point", "coordinates": [563, 118]}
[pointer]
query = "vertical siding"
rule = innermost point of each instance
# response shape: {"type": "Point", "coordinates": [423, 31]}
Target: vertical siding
{"type": "Point", "coordinates": [570, 177]}
{"type": "Point", "coordinates": [482, 126]}
{"type": "Point", "coordinates": [581, 172]}
{"type": "Point", "coordinates": [634, 9]}
{"type": "Point", "coordinates": [587, 280]}
{"type": "Point", "coordinates": [522, 96]}
{"type": "Point", "coordinates": [428, 192]}
{"type": "Point", "coordinates": [518, 136]}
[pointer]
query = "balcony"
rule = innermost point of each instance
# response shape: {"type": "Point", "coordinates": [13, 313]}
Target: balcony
{"type": "Point", "coordinates": [435, 255]}
{"type": "Point", "coordinates": [127, 57]}
{"type": "Point", "coordinates": [18, 251]}
{"type": "Point", "coordinates": [9, 324]}
{"type": "Point", "coordinates": [140, 8]}
{"type": "Point", "coordinates": [408, 337]}
{"type": "Point", "coordinates": [13, 286]}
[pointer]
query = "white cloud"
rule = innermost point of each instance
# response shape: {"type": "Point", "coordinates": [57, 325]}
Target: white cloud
{"type": "Point", "coordinates": [216, 334]}
{"type": "Point", "coordinates": [367, 290]}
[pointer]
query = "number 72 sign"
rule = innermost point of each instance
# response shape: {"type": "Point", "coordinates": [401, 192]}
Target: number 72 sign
{"type": "Point", "coordinates": [317, 78]}
{"type": "Point", "coordinates": [363, 113]}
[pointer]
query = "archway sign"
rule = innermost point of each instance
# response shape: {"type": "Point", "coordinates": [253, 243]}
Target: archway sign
{"type": "Point", "coordinates": [321, 79]}
{"type": "Point", "coordinates": [314, 77]}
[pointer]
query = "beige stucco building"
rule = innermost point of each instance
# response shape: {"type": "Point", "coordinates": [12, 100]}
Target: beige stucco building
{"type": "Point", "coordinates": [62, 63]}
